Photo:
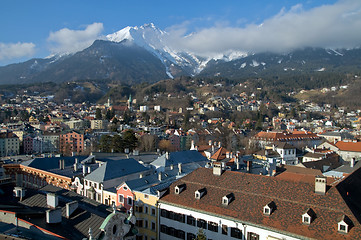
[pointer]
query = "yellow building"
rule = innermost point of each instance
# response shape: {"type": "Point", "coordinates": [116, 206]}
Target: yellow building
{"type": "Point", "coordinates": [147, 214]}
{"type": "Point", "coordinates": [109, 197]}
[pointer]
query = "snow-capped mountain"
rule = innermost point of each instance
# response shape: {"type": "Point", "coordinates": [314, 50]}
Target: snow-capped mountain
{"type": "Point", "coordinates": [144, 54]}
{"type": "Point", "coordinates": [154, 40]}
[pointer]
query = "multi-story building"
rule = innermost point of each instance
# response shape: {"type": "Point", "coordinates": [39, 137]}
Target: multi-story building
{"type": "Point", "coordinates": [50, 142]}
{"type": "Point", "coordinates": [38, 172]}
{"type": "Point", "coordinates": [75, 124]}
{"type": "Point", "coordinates": [235, 205]}
{"type": "Point", "coordinates": [98, 124]}
{"type": "Point", "coordinates": [9, 144]}
{"type": "Point", "coordinates": [109, 175]}
{"type": "Point", "coordinates": [71, 142]}
{"type": "Point", "coordinates": [298, 139]}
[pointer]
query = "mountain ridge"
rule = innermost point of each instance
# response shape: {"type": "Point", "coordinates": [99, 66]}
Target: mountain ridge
{"type": "Point", "coordinates": [136, 54]}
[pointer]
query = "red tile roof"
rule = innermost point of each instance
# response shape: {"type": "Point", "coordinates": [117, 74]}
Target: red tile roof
{"type": "Point", "coordinates": [220, 154]}
{"type": "Point", "coordinates": [292, 199]}
{"type": "Point", "coordinates": [349, 146]}
{"type": "Point", "coordinates": [280, 136]}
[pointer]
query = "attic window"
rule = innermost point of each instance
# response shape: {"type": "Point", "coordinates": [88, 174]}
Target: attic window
{"type": "Point", "coordinates": [306, 219]}
{"type": "Point", "coordinates": [266, 210]}
{"type": "Point", "coordinates": [269, 208]}
{"type": "Point", "coordinates": [178, 189]}
{"type": "Point", "coordinates": [199, 193]}
{"type": "Point", "coordinates": [308, 216]}
{"type": "Point", "coordinates": [226, 200]}
{"type": "Point", "coordinates": [344, 225]}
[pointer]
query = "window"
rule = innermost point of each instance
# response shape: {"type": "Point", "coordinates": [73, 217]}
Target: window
{"type": "Point", "coordinates": [130, 201]}
{"type": "Point", "coordinates": [146, 196]}
{"type": "Point", "coordinates": [139, 223]}
{"type": "Point", "coordinates": [163, 228]}
{"type": "Point", "coordinates": [202, 223]}
{"type": "Point", "coordinates": [266, 211]}
{"type": "Point", "coordinates": [252, 236]}
{"type": "Point", "coordinates": [224, 229]}
{"type": "Point", "coordinates": [212, 226]}
{"type": "Point", "coordinates": [236, 233]}
{"type": "Point", "coordinates": [146, 210]}
{"type": "Point", "coordinates": [145, 224]}
{"type": "Point", "coordinates": [153, 211]}
{"type": "Point", "coordinates": [163, 213]}
{"type": "Point", "coordinates": [120, 198]}
{"type": "Point", "coordinates": [342, 228]}
{"type": "Point", "coordinates": [139, 209]}
{"type": "Point", "coordinates": [191, 236]}
{"type": "Point", "coordinates": [153, 226]}
{"type": "Point", "coordinates": [306, 219]}
{"type": "Point", "coordinates": [125, 188]}
{"type": "Point", "coordinates": [191, 220]}
{"type": "Point", "coordinates": [180, 234]}
{"type": "Point", "coordinates": [179, 217]}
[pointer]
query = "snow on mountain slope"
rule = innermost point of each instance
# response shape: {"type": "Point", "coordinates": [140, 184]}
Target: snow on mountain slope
{"type": "Point", "coordinates": [153, 39]}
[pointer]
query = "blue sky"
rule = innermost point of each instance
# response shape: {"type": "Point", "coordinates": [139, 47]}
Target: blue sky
{"type": "Point", "coordinates": [37, 28]}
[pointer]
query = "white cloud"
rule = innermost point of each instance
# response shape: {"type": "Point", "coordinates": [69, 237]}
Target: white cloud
{"type": "Point", "coordinates": [68, 41]}
{"type": "Point", "coordinates": [10, 51]}
{"type": "Point", "coordinates": [334, 26]}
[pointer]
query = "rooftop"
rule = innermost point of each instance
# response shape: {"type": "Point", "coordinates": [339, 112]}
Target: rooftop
{"type": "Point", "coordinates": [292, 199]}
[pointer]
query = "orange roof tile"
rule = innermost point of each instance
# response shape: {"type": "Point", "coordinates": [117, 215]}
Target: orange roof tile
{"type": "Point", "coordinates": [349, 146]}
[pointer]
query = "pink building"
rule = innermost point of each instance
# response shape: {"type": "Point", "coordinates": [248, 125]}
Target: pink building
{"type": "Point", "coordinates": [125, 197]}
{"type": "Point", "coordinates": [28, 145]}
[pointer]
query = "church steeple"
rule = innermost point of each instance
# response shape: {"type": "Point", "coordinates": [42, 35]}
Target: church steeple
{"type": "Point", "coordinates": [130, 101]}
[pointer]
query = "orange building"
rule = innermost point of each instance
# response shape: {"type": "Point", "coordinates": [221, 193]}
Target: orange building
{"type": "Point", "coordinates": [71, 142]}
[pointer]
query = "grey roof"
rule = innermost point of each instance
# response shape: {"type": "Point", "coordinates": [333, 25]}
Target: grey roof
{"type": "Point", "coordinates": [323, 165]}
{"type": "Point", "coordinates": [48, 163]}
{"type": "Point", "coordinates": [145, 157]}
{"type": "Point", "coordinates": [51, 164]}
{"type": "Point", "coordinates": [88, 214]}
{"type": "Point", "coordinates": [283, 145]}
{"type": "Point", "coordinates": [314, 155]}
{"type": "Point", "coordinates": [346, 168]}
{"type": "Point", "coordinates": [183, 157]}
{"type": "Point", "coordinates": [112, 169]}
{"type": "Point", "coordinates": [343, 135]}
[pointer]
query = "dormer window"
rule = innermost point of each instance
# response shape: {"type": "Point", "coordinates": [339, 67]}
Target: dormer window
{"type": "Point", "coordinates": [226, 200]}
{"type": "Point", "coordinates": [199, 193]}
{"type": "Point", "coordinates": [178, 189]}
{"type": "Point", "coordinates": [308, 216]}
{"type": "Point", "coordinates": [344, 225]}
{"type": "Point", "coordinates": [269, 208]}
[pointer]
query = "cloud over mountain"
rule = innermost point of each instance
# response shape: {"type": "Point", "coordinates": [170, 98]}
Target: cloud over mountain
{"type": "Point", "coordinates": [69, 41]}
{"type": "Point", "coordinates": [16, 50]}
{"type": "Point", "coordinates": [330, 26]}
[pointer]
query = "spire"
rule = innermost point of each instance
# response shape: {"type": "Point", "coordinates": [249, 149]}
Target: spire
{"type": "Point", "coordinates": [90, 234]}
{"type": "Point", "coordinates": [130, 100]}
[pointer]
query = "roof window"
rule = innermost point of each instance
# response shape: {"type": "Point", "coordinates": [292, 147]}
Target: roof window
{"type": "Point", "coordinates": [227, 199]}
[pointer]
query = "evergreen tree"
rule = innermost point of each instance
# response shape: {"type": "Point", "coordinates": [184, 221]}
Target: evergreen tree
{"type": "Point", "coordinates": [98, 114]}
{"type": "Point", "coordinates": [201, 235]}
